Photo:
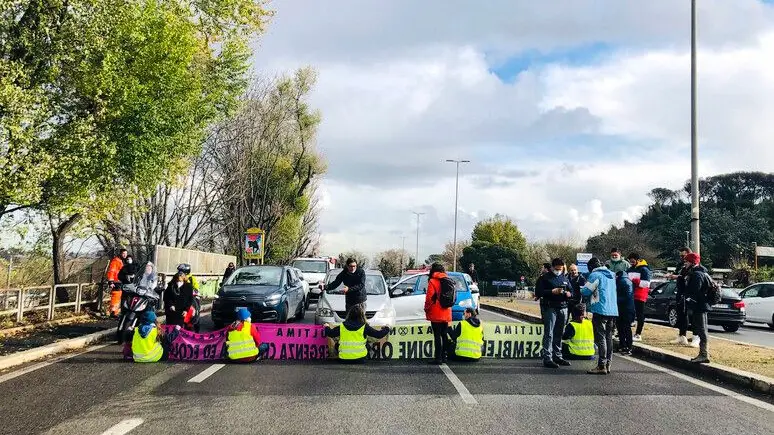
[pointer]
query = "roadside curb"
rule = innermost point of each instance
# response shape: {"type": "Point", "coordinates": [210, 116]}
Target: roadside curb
{"type": "Point", "coordinates": [752, 381]}
{"type": "Point", "coordinates": [60, 322]}
{"type": "Point", "coordinates": [37, 353]}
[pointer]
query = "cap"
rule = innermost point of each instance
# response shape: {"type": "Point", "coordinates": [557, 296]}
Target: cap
{"type": "Point", "coordinates": [243, 314]}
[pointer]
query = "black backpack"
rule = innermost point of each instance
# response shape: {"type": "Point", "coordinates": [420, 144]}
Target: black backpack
{"type": "Point", "coordinates": [712, 291]}
{"type": "Point", "coordinates": [448, 294]}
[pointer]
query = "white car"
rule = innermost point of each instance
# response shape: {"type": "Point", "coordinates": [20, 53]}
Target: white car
{"type": "Point", "coordinates": [759, 302]}
{"type": "Point", "coordinates": [305, 285]}
{"type": "Point", "coordinates": [473, 289]}
{"type": "Point", "coordinates": [315, 270]}
{"type": "Point", "coordinates": [379, 310]}
{"type": "Point", "coordinates": [409, 303]}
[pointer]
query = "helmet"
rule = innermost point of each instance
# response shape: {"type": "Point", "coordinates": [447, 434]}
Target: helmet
{"type": "Point", "coordinates": [184, 268]}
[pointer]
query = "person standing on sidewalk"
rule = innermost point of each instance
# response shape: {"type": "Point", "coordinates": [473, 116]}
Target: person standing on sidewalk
{"type": "Point", "coordinates": [554, 291]}
{"type": "Point", "coordinates": [577, 281]}
{"type": "Point", "coordinates": [601, 291]}
{"type": "Point", "coordinates": [617, 263]}
{"type": "Point", "coordinates": [682, 311]}
{"type": "Point", "coordinates": [440, 318]}
{"type": "Point", "coordinates": [697, 282]}
{"type": "Point", "coordinates": [639, 273]}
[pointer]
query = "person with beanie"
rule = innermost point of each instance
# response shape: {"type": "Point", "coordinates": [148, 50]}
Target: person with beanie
{"type": "Point", "coordinates": [682, 311]}
{"type": "Point", "coordinates": [601, 290]}
{"type": "Point", "coordinates": [639, 273]}
{"type": "Point", "coordinates": [147, 340]}
{"type": "Point", "coordinates": [467, 338]}
{"type": "Point", "coordinates": [243, 342]}
{"type": "Point", "coordinates": [697, 281]}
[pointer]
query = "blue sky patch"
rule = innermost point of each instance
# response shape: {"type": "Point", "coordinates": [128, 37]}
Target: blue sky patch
{"type": "Point", "coordinates": [578, 55]}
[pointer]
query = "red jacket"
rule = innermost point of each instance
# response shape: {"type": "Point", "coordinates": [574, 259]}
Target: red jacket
{"type": "Point", "coordinates": [237, 326]}
{"type": "Point", "coordinates": [434, 312]}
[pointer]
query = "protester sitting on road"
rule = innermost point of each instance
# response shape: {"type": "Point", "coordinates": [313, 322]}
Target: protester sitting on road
{"type": "Point", "coordinates": [352, 335]}
{"type": "Point", "coordinates": [601, 291]}
{"type": "Point", "coordinates": [243, 342]}
{"type": "Point", "coordinates": [147, 340]}
{"type": "Point", "coordinates": [639, 272]}
{"type": "Point", "coordinates": [178, 298]}
{"type": "Point", "coordinates": [682, 312]}
{"type": "Point", "coordinates": [467, 338]}
{"type": "Point", "coordinates": [439, 317]}
{"type": "Point", "coordinates": [617, 263]}
{"type": "Point", "coordinates": [625, 299]}
{"type": "Point", "coordinates": [697, 282]}
{"type": "Point", "coordinates": [354, 280]}
{"type": "Point", "coordinates": [578, 338]}
{"type": "Point", "coordinates": [554, 290]}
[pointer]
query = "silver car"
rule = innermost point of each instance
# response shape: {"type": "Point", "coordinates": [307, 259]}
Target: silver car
{"type": "Point", "coordinates": [379, 310]}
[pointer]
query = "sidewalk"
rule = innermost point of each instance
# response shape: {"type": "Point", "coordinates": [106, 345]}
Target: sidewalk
{"type": "Point", "coordinates": [44, 335]}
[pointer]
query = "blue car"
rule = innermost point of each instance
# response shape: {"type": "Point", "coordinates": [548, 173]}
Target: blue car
{"type": "Point", "coordinates": [409, 306]}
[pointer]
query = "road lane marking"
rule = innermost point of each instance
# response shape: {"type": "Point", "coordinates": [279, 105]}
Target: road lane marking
{"type": "Point", "coordinates": [464, 393]}
{"type": "Point", "coordinates": [741, 397]}
{"type": "Point", "coordinates": [512, 319]}
{"type": "Point", "coordinates": [33, 367]}
{"type": "Point", "coordinates": [124, 427]}
{"type": "Point", "coordinates": [209, 371]}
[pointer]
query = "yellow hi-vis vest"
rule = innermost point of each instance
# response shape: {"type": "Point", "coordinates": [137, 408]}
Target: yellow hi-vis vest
{"type": "Point", "coordinates": [352, 344]}
{"type": "Point", "coordinates": [240, 344]}
{"type": "Point", "coordinates": [470, 341]}
{"type": "Point", "coordinates": [582, 343]}
{"type": "Point", "coordinates": [148, 349]}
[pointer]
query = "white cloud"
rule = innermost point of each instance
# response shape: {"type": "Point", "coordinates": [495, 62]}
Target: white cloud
{"type": "Point", "coordinates": [563, 149]}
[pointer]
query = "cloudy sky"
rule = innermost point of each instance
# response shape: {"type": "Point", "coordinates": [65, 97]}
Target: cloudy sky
{"type": "Point", "coordinates": [570, 110]}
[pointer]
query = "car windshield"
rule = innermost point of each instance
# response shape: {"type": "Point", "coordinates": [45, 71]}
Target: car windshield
{"type": "Point", "coordinates": [459, 283]}
{"type": "Point", "coordinates": [311, 266]}
{"type": "Point", "coordinates": [256, 275]}
{"type": "Point", "coordinates": [374, 285]}
{"type": "Point", "coordinates": [729, 293]}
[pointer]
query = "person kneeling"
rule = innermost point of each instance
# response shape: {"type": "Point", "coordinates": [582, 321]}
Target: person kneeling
{"type": "Point", "coordinates": [467, 338]}
{"type": "Point", "coordinates": [578, 338]}
{"type": "Point", "coordinates": [243, 343]}
{"type": "Point", "coordinates": [352, 335]}
{"type": "Point", "coordinates": [147, 339]}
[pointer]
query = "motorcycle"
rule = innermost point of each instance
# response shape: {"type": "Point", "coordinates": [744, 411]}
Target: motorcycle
{"type": "Point", "coordinates": [136, 301]}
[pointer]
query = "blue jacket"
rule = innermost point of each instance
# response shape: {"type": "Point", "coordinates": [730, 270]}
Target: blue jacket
{"type": "Point", "coordinates": [625, 295]}
{"type": "Point", "coordinates": [601, 291]}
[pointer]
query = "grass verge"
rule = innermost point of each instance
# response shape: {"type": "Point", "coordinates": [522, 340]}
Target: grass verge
{"type": "Point", "coordinates": [747, 357]}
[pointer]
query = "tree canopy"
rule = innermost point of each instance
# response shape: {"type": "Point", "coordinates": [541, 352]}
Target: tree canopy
{"type": "Point", "coordinates": [500, 230]}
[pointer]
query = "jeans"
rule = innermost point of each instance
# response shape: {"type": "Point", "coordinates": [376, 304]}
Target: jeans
{"type": "Point", "coordinates": [700, 329]}
{"type": "Point", "coordinates": [603, 337]}
{"type": "Point", "coordinates": [554, 320]}
{"type": "Point", "coordinates": [682, 317]}
{"type": "Point", "coordinates": [639, 308]}
{"type": "Point", "coordinates": [624, 325]}
{"type": "Point", "coordinates": [441, 337]}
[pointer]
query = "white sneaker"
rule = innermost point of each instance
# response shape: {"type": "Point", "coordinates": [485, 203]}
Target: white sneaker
{"type": "Point", "coordinates": [695, 341]}
{"type": "Point", "coordinates": [637, 337]}
{"type": "Point", "coordinates": [681, 340]}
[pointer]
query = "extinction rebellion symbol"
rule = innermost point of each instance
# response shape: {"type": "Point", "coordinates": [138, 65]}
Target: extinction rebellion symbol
{"type": "Point", "coordinates": [403, 330]}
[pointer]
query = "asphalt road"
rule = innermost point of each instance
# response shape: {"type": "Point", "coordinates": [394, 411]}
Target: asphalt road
{"type": "Point", "coordinates": [95, 392]}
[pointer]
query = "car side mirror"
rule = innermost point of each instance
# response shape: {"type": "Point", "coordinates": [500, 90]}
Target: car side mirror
{"type": "Point", "coordinates": [397, 292]}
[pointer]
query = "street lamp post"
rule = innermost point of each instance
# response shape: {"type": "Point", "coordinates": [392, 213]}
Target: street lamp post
{"type": "Point", "coordinates": [456, 199]}
{"type": "Point", "coordinates": [694, 144]}
{"type": "Point", "coordinates": [687, 238]}
{"type": "Point", "coordinates": [402, 250]}
{"type": "Point", "coordinates": [417, 257]}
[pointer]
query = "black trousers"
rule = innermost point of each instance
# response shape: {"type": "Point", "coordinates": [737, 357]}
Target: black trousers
{"type": "Point", "coordinates": [441, 338]}
{"type": "Point", "coordinates": [639, 308]}
{"type": "Point", "coordinates": [624, 324]}
{"type": "Point", "coordinates": [682, 316]}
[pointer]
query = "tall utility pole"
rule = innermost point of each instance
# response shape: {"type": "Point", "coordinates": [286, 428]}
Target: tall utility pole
{"type": "Point", "coordinates": [402, 251]}
{"type": "Point", "coordinates": [456, 201]}
{"type": "Point", "coordinates": [416, 260]}
{"type": "Point", "coordinates": [694, 145]}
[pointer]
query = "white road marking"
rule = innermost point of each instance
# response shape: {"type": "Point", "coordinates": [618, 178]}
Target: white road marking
{"type": "Point", "coordinates": [124, 427]}
{"type": "Point", "coordinates": [209, 371]}
{"type": "Point", "coordinates": [741, 397]}
{"type": "Point", "coordinates": [33, 367]}
{"type": "Point", "coordinates": [512, 319]}
{"type": "Point", "coordinates": [464, 393]}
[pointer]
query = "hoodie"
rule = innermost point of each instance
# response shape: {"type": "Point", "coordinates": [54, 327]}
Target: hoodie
{"type": "Point", "coordinates": [457, 331]}
{"type": "Point", "coordinates": [617, 266]}
{"type": "Point", "coordinates": [601, 290]}
{"type": "Point", "coordinates": [640, 276]}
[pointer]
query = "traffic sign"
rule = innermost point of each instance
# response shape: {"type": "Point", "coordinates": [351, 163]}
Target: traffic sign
{"type": "Point", "coordinates": [582, 261]}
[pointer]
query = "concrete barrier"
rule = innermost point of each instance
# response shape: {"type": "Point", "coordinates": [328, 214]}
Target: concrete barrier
{"type": "Point", "coordinates": [741, 378]}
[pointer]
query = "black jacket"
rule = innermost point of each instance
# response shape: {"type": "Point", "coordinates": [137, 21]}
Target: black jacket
{"type": "Point", "coordinates": [228, 273]}
{"type": "Point", "coordinates": [473, 275]}
{"type": "Point", "coordinates": [128, 273]}
{"type": "Point", "coordinates": [355, 281]}
{"type": "Point", "coordinates": [696, 281]}
{"type": "Point", "coordinates": [577, 282]}
{"type": "Point", "coordinates": [179, 297]}
{"type": "Point", "coordinates": [457, 331]}
{"type": "Point", "coordinates": [546, 283]}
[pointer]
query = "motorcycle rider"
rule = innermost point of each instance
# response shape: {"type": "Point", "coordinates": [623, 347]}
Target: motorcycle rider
{"type": "Point", "coordinates": [149, 280]}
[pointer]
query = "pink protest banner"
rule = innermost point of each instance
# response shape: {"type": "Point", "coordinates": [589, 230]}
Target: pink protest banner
{"type": "Point", "coordinates": [290, 342]}
{"type": "Point", "coordinates": [189, 346]}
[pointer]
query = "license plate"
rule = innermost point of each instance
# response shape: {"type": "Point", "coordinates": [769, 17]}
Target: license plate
{"type": "Point", "coordinates": [239, 308]}
{"type": "Point", "coordinates": [720, 306]}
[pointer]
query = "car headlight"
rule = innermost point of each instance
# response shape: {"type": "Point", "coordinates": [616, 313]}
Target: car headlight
{"type": "Point", "coordinates": [324, 312]}
{"type": "Point", "coordinates": [385, 314]}
{"type": "Point", "coordinates": [274, 298]}
{"type": "Point", "coordinates": [467, 303]}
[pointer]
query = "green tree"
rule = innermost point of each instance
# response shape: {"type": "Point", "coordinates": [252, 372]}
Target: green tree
{"type": "Point", "coordinates": [500, 230]}
{"type": "Point", "coordinates": [389, 262]}
{"type": "Point", "coordinates": [359, 257]}
{"type": "Point", "coordinates": [494, 261]}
